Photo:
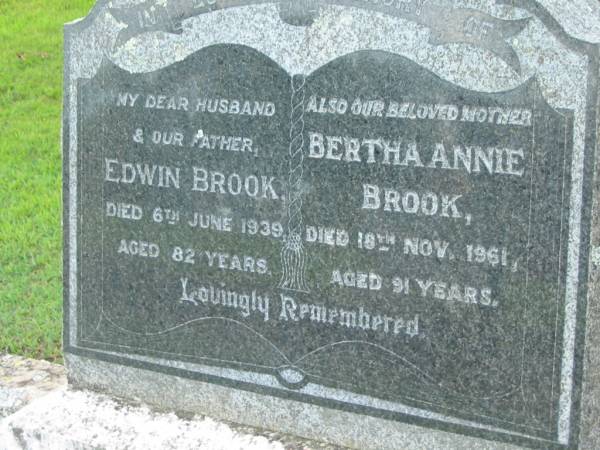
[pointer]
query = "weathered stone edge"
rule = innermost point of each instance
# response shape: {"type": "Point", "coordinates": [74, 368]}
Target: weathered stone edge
{"type": "Point", "coordinates": [248, 408]}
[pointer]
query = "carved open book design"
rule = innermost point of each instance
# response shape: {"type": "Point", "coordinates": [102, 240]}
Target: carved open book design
{"type": "Point", "coordinates": [245, 226]}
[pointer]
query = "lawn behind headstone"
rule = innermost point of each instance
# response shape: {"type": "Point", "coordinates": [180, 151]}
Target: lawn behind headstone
{"type": "Point", "coordinates": [31, 58]}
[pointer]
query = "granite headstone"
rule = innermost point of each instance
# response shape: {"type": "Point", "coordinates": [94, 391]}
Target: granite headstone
{"type": "Point", "coordinates": [368, 222]}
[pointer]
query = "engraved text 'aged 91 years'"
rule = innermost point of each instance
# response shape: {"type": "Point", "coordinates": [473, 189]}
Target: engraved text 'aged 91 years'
{"type": "Point", "coordinates": [380, 207]}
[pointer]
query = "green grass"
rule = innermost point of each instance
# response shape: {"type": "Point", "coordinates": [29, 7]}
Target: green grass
{"type": "Point", "coordinates": [30, 174]}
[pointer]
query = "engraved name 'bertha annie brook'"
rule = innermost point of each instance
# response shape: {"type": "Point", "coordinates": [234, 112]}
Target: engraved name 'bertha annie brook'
{"type": "Point", "coordinates": [353, 203]}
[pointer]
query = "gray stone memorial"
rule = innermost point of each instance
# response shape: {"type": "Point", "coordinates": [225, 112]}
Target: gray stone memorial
{"type": "Point", "coordinates": [368, 222]}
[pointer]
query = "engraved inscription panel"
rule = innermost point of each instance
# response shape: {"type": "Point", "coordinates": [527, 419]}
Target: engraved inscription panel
{"type": "Point", "coordinates": [367, 227]}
